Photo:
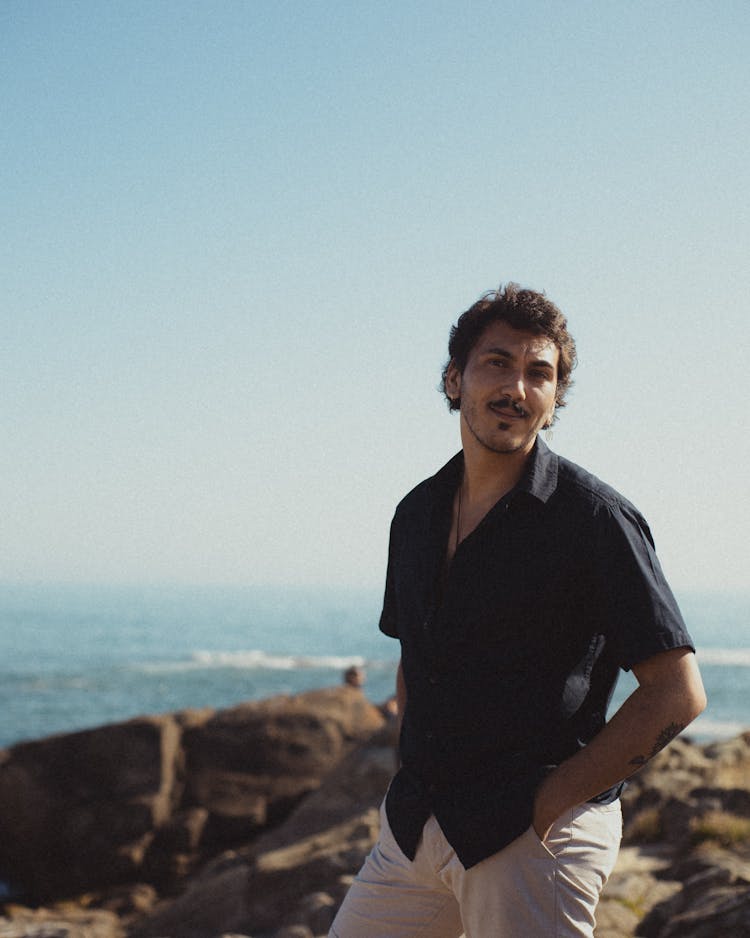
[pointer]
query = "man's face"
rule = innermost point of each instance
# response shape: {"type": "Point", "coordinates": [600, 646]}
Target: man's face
{"type": "Point", "coordinates": [507, 389]}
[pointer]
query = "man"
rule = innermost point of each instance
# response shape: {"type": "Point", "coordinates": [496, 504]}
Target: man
{"type": "Point", "coordinates": [518, 585]}
{"type": "Point", "coordinates": [354, 676]}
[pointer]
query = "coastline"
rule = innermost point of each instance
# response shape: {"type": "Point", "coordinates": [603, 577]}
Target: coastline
{"type": "Point", "coordinates": [253, 819]}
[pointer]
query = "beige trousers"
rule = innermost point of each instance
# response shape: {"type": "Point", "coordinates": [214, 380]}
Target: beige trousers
{"type": "Point", "coordinates": [529, 889]}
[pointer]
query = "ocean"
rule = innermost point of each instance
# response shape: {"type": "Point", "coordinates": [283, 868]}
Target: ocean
{"type": "Point", "coordinates": [73, 657]}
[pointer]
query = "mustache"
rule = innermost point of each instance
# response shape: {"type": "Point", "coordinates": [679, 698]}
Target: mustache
{"type": "Point", "coordinates": [506, 402]}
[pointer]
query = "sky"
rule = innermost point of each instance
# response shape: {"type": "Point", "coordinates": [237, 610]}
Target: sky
{"type": "Point", "coordinates": [236, 235]}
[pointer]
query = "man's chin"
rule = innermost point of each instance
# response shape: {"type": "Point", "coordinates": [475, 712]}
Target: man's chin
{"type": "Point", "coordinates": [505, 439]}
{"type": "Point", "coordinates": [511, 446]}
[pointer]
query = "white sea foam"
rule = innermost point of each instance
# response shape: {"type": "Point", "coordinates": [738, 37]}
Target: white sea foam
{"type": "Point", "coordinates": [705, 727]}
{"type": "Point", "coordinates": [254, 660]}
{"type": "Point", "coordinates": [250, 660]}
{"type": "Point", "coordinates": [728, 657]}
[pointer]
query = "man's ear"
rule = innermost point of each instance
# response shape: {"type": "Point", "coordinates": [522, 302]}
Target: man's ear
{"type": "Point", "coordinates": [453, 381]}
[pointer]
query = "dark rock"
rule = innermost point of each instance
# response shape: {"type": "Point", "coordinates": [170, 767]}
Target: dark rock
{"type": "Point", "coordinates": [315, 911]}
{"type": "Point", "coordinates": [280, 877]}
{"type": "Point", "coordinates": [715, 890]}
{"type": "Point", "coordinates": [175, 849]}
{"type": "Point", "coordinates": [78, 811]}
{"type": "Point", "coordinates": [152, 798]}
{"type": "Point", "coordinates": [292, 786]}
{"type": "Point", "coordinates": [716, 913]}
{"type": "Point", "coordinates": [252, 764]}
{"type": "Point", "coordinates": [214, 901]}
{"type": "Point", "coordinates": [125, 901]}
{"type": "Point", "coordinates": [358, 784]}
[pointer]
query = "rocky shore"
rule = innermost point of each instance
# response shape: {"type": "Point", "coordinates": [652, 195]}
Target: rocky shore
{"type": "Point", "coordinates": [251, 821]}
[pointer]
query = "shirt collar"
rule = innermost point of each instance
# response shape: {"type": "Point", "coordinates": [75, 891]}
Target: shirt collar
{"type": "Point", "coordinates": [539, 477]}
{"type": "Point", "coordinates": [540, 473]}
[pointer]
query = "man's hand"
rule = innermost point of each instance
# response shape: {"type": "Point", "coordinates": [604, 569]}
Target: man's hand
{"type": "Point", "coordinates": [545, 810]}
{"type": "Point", "coordinates": [669, 696]}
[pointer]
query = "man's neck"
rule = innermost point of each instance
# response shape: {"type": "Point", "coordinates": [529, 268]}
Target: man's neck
{"type": "Point", "coordinates": [489, 475]}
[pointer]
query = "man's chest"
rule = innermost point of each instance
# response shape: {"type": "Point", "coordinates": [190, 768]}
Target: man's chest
{"type": "Point", "coordinates": [515, 583]}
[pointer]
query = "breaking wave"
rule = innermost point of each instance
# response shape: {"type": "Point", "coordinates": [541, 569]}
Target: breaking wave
{"type": "Point", "coordinates": [727, 657]}
{"type": "Point", "coordinates": [263, 661]}
{"type": "Point", "coordinates": [706, 728]}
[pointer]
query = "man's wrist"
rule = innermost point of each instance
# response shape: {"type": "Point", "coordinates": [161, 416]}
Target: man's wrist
{"type": "Point", "coordinates": [546, 809]}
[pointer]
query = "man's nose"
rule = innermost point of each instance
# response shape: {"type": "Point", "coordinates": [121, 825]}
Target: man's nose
{"type": "Point", "coordinates": [515, 386]}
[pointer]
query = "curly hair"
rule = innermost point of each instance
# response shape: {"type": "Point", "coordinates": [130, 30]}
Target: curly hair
{"type": "Point", "coordinates": [525, 310]}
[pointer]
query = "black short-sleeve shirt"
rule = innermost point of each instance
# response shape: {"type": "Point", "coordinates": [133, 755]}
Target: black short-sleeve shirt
{"type": "Point", "coordinates": [511, 656]}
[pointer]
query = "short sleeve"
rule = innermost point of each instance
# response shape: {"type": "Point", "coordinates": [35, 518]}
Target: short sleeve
{"type": "Point", "coordinates": [388, 617]}
{"type": "Point", "coordinates": [639, 613]}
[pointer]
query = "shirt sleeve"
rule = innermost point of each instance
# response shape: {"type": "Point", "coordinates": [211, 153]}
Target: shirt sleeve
{"type": "Point", "coordinates": [640, 615]}
{"type": "Point", "coordinates": [388, 617]}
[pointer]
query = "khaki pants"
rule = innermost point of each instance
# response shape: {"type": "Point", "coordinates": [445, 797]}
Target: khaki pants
{"type": "Point", "coordinates": [529, 889]}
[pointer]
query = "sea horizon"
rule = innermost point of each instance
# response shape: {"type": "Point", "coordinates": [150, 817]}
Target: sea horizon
{"type": "Point", "coordinates": [76, 655]}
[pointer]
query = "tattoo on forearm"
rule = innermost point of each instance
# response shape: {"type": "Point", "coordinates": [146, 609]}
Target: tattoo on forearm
{"type": "Point", "coordinates": [665, 736]}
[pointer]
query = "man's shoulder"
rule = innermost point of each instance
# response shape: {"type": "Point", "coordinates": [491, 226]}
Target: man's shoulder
{"type": "Point", "coordinates": [422, 497]}
{"type": "Point", "coordinates": [418, 499]}
{"type": "Point", "coordinates": [580, 486]}
{"type": "Point", "coordinates": [585, 504]}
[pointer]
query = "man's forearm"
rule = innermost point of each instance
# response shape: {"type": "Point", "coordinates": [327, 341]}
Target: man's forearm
{"type": "Point", "coordinates": [669, 697]}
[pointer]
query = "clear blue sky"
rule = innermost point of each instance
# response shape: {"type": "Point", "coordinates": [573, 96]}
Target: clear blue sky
{"type": "Point", "coordinates": [235, 236]}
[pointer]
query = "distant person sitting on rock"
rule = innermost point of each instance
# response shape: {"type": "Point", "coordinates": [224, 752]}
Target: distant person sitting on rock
{"type": "Point", "coordinates": [518, 585]}
{"type": "Point", "coordinates": [354, 676]}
